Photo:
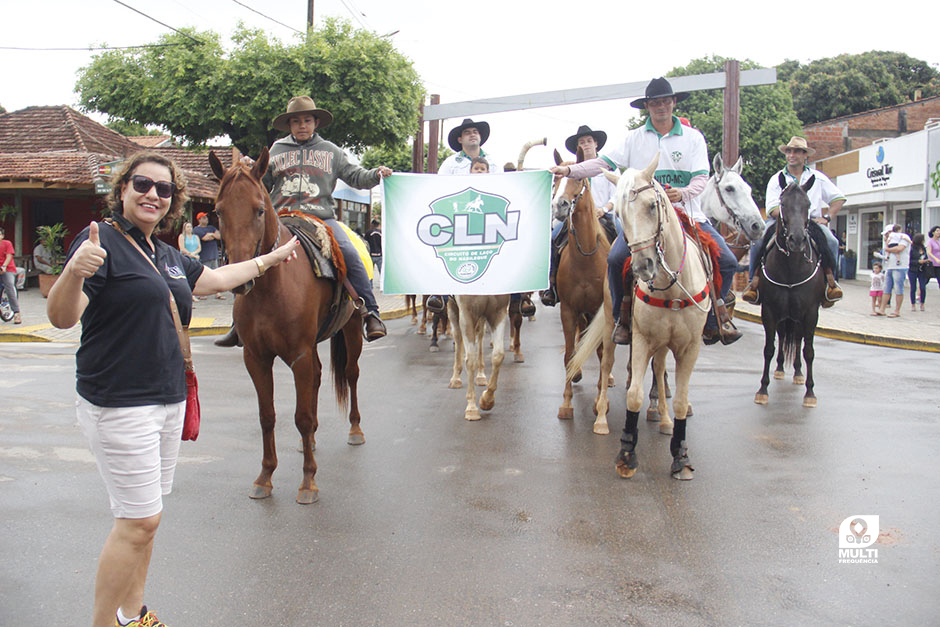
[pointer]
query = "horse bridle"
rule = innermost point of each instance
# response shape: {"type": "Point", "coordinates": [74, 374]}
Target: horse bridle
{"type": "Point", "coordinates": [655, 240]}
{"type": "Point", "coordinates": [571, 229]}
{"type": "Point", "coordinates": [726, 206]}
{"type": "Point", "coordinates": [250, 283]}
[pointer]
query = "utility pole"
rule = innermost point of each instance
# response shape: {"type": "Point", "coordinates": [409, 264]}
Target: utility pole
{"type": "Point", "coordinates": [309, 14]}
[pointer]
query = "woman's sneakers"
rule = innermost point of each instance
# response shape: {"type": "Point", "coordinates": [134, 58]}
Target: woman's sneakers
{"type": "Point", "coordinates": [145, 619]}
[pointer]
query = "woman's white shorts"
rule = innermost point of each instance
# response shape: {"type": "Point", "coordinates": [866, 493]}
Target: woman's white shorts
{"type": "Point", "coordinates": [136, 449]}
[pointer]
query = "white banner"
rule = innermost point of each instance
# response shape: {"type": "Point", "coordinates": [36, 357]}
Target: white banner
{"type": "Point", "coordinates": [469, 234]}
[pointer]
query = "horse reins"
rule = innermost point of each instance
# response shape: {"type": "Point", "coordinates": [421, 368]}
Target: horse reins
{"type": "Point", "coordinates": [571, 229]}
{"type": "Point", "coordinates": [782, 228]}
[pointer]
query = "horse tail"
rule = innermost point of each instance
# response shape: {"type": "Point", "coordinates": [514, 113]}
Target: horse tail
{"type": "Point", "coordinates": [587, 345]}
{"type": "Point", "coordinates": [790, 339]}
{"type": "Point", "coordinates": [338, 360]}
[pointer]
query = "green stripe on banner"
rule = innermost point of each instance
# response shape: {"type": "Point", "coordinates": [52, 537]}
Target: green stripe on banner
{"type": "Point", "coordinates": [470, 234]}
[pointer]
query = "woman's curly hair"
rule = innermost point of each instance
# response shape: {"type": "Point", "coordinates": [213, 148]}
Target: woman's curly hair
{"type": "Point", "coordinates": [123, 176]}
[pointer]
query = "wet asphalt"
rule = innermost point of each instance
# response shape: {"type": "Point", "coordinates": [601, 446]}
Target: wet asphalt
{"type": "Point", "coordinates": [518, 519]}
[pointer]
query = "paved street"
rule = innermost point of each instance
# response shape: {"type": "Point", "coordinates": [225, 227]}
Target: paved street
{"type": "Point", "coordinates": [518, 519]}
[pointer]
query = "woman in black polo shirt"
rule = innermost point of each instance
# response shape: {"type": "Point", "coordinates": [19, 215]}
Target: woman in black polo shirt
{"type": "Point", "coordinates": [129, 368]}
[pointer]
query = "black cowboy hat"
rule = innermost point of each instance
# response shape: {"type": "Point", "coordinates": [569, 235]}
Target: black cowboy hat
{"type": "Point", "coordinates": [572, 142]}
{"type": "Point", "coordinates": [658, 88]}
{"type": "Point", "coordinates": [483, 127]}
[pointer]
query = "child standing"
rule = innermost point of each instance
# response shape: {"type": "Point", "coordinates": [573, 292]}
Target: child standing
{"type": "Point", "coordinates": [877, 288]}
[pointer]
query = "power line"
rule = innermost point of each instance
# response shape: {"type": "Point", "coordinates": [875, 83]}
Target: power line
{"type": "Point", "coordinates": [159, 22]}
{"type": "Point", "coordinates": [353, 13]}
{"type": "Point", "coordinates": [267, 16]}
{"type": "Point", "coordinates": [91, 48]}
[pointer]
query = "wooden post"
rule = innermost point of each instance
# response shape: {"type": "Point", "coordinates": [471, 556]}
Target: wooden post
{"type": "Point", "coordinates": [417, 151]}
{"type": "Point", "coordinates": [309, 14]}
{"type": "Point", "coordinates": [434, 137]}
{"type": "Point", "coordinates": [732, 112]}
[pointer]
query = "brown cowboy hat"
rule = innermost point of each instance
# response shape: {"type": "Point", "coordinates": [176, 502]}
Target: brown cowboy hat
{"type": "Point", "coordinates": [456, 132]}
{"type": "Point", "coordinates": [302, 104]}
{"type": "Point", "coordinates": [799, 143]}
{"type": "Point", "coordinates": [572, 142]}
{"type": "Point", "coordinates": [658, 88]}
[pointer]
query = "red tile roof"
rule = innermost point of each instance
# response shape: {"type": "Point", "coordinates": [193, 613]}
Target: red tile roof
{"type": "Point", "coordinates": [60, 146]}
{"type": "Point", "coordinates": [151, 141]}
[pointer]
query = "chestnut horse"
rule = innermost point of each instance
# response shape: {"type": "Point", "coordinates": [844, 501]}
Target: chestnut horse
{"type": "Point", "coordinates": [583, 292]}
{"type": "Point", "coordinates": [280, 315]}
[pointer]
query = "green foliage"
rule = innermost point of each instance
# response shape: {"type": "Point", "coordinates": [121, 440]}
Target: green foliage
{"type": "Point", "coordinates": [766, 120]}
{"type": "Point", "coordinates": [852, 83]}
{"type": "Point", "coordinates": [7, 211]}
{"type": "Point", "coordinates": [52, 237]}
{"type": "Point", "coordinates": [198, 92]}
{"type": "Point", "coordinates": [398, 157]}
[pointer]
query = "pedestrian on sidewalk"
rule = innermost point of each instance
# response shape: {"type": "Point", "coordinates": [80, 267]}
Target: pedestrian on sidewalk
{"type": "Point", "coordinates": [8, 277]}
{"type": "Point", "coordinates": [122, 281]}
{"type": "Point", "coordinates": [876, 291]}
{"type": "Point", "coordinates": [918, 271]}
{"type": "Point", "coordinates": [897, 262]}
{"type": "Point", "coordinates": [933, 252]}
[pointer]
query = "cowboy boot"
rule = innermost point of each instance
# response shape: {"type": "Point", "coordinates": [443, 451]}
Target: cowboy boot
{"type": "Point", "coordinates": [230, 339]}
{"type": "Point", "coordinates": [527, 307]}
{"type": "Point", "coordinates": [750, 294]}
{"type": "Point", "coordinates": [623, 332]}
{"type": "Point", "coordinates": [435, 304]}
{"type": "Point", "coordinates": [727, 331]}
{"type": "Point", "coordinates": [373, 327]}
{"type": "Point", "coordinates": [833, 291]}
{"type": "Point", "coordinates": [549, 297]}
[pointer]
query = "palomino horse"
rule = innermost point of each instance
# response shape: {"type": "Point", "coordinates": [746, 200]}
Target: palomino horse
{"type": "Point", "coordinates": [671, 265]}
{"type": "Point", "coordinates": [792, 287]}
{"type": "Point", "coordinates": [280, 315]}
{"type": "Point", "coordinates": [469, 316]}
{"type": "Point", "coordinates": [583, 292]}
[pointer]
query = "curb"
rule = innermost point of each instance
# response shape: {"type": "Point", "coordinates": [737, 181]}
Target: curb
{"type": "Point", "coordinates": [858, 338]}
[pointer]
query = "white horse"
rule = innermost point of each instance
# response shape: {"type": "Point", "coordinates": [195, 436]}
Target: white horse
{"type": "Point", "coordinates": [669, 310]}
{"type": "Point", "coordinates": [469, 315]}
{"type": "Point", "coordinates": [727, 199]}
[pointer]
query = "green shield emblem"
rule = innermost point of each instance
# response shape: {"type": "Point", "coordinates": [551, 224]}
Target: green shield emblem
{"type": "Point", "coordinates": [467, 230]}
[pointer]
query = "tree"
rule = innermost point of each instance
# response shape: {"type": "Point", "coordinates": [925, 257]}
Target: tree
{"type": "Point", "coordinates": [131, 129]}
{"type": "Point", "coordinates": [767, 120]}
{"type": "Point", "coordinates": [198, 92]}
{"type": "Point", "coordinates": [399, 157]}
{"type": "Point", "coordinates": [852, 83]}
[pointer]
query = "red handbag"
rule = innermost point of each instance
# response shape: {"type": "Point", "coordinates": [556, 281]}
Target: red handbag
{"type": "Point", "coordinates": [193, 411]}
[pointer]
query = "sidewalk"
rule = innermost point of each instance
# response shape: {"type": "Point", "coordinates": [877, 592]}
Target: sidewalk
{"type": "Point", "coordinates": [849, 320]}
{"type": "Point", "coordinates": [210, 317]}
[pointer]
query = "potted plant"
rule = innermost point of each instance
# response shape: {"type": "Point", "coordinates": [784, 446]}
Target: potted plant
{"type": "Point", "coordinates": [849, 264]}
{"type": "Point", "coordinates": [51, 237]}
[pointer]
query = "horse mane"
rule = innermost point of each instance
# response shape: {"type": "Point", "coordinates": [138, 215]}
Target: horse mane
{"type": "Point", "coordinates": [236, 171]}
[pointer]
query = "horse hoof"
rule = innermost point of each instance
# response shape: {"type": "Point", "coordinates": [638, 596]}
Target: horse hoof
{"type": "Point", "coordinates": [308, 497]}
{"type": "Point", "coordinates": [665, 428]}
{"type": "Point", "coordinates": [422, 331]}
{"type": "Point", "coordinates": [487, 404]}
{"type": "Point", "coordinates": [683, 475]}
{"type": "Point", "coordinates": [809, 401]}
{"type": "Point", "coordinates": [761, 399]}
{"type": "Point", "coordinates": [472, 414]}
{"type": "Point", "coordinates": [576, 377]}
{"type": "Point", "coordinates": [480, 380]}
{"type": "Point", "coordinates": [778, 374]}
{"type": "Point", "coordinates": [601, 428]}
{"type": "Point", "coordinates": [434, 348]}
{"type": "Point", "coordinates": [688, 412]}
{"type": "Point", "coordinates": [356, 439]}
{"type": "Point", "coordinates": [260, 492]}
{"type": "Point", "coordinates": [414, 321]}
{"type": "Point", "coordinates": [455, 384]}
{"type": "Point", "coordinates": [652, 414]}
{"type": "Point", "coordinates": [625, 471]}
{"type": "Point", "coordinates": [610, 381]}
{"type": "Point", "coordinates": [519, 358]}
{"type": "Point", "coordinates": [799, 380]}
{"type": "Point", "coordinates": [566, 413]}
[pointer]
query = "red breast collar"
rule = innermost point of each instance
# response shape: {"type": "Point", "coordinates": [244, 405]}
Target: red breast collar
{"type": "Point", "coordinates": [675, 304]}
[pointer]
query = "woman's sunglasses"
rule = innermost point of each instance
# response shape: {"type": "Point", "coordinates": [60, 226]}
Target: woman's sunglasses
{"type": "Point", "coordinates": [142, 185]}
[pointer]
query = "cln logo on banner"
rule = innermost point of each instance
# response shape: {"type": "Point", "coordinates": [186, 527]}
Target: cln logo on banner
{"type": "Point", "coordinates": [856, 534]}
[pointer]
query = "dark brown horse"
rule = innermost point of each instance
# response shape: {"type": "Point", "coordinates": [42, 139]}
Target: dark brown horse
{"type": "Point", "coordinates": [281, 315]}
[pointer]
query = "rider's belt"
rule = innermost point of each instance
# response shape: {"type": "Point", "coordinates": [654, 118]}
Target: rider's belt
{"type": "Point", "coordinates": [675, 304]}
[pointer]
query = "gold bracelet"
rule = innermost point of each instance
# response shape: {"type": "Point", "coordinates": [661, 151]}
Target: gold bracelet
{"type": "Point", "coordinates": [260, 265]}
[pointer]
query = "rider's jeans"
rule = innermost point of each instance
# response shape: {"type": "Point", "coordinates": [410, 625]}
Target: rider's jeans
{"type": "Point", "coordinates": [355, 269]}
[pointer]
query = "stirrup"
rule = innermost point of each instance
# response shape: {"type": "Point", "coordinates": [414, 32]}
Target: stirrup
{"type": "Point", "coordinates": [548, 297]}
{"type": "Point", "coordinates": [527, 307]}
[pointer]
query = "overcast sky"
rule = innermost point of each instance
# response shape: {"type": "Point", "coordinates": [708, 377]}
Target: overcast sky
{"type": "Point", "coordinates": [483, 49]}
